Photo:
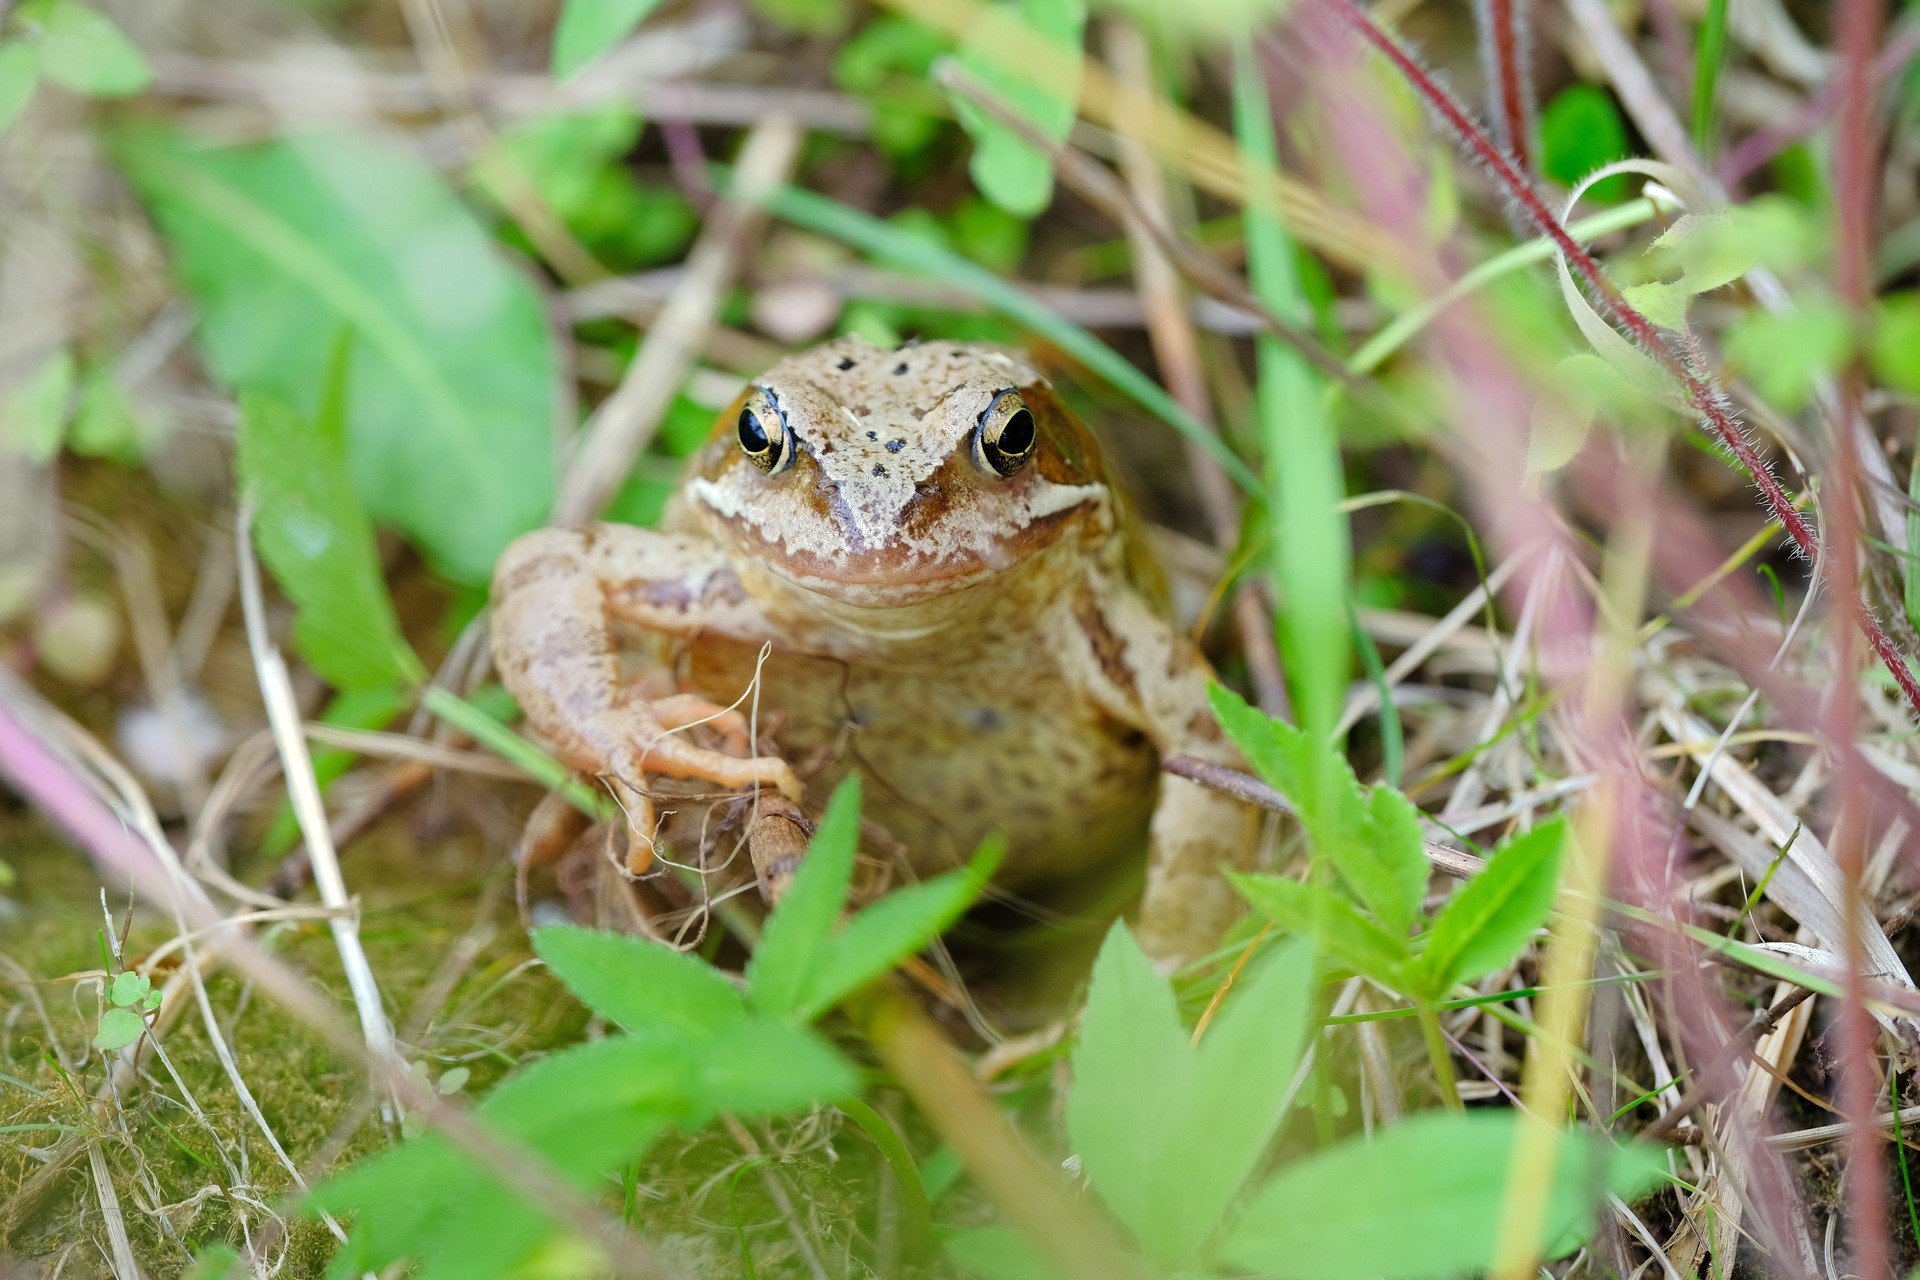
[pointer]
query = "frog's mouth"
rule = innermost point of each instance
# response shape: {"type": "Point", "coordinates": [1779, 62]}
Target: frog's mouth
{"type": "Point", "coordinates": [904, 571]}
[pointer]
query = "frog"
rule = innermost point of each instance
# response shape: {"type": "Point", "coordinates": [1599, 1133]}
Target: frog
{"type": "Point", "coordinates": [913, 563]}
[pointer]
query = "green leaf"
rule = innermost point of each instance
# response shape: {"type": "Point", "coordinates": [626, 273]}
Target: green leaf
{"type": "Point", "coordinates": [895, 927]}
{"type": "Point", "coordinates": [588, 28]}
{"type": "Point", "coordinates": [282, 244]}
{"type": "Point", "coordinates": [33, 418]}
{"type": "Point", "coordinates": [1581, 130]}
{"type": "Point", "coordinates": [118, 1029]}
{"type": "Point", "coordinates": [1373, 839]}
{"type": "Point", "coordinates": [1894, 350]}
{"type": "Point", "coordinates": [647, 988]}
{"type": "Point", "coordinates": [1494, 914]}
{"type": "Point", "coordinates": [214, 1262]}
{"type": "Point", "coordinates": [994, 1253]}
{"type": "Point", "coordinates": [128, 988]}
{"type": "Point", "coordinates": [1784, 354]}
{"type": "Point", "coordinates": [82, 50]}
{"type": "Point", "coordinates": [19, 73]}
{"type": "Point", "coordinates": [105, 425]}
{"type": "Point", "coordinates": [1168, 1130]}
{"type": "Point", "coordinates": [797, 935]}
{"type": "Point", "coordinates": [1320, 912]}
{"type": "Point", "coordinates": [1421, 1201]}
{"type": "Point", "coordinates": [1304, 480]}
{"type": "Point", "coordinates": [313, 535]}
{"type": "Point", "coordinates": [1009, 170]}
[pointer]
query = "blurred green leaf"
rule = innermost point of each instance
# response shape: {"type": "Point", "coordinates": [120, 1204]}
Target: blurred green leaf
{"type": "Point", "coordinates": [989, 234]}
{"type": "Point", "coordinates": [889, 64]}
{"type": "Point", "coordinates": [450, 422]}
{"type": "Point", "coordinates": [82, 50]}
{"type": "Point", "coordinates": [312, 533]}
{"type": "Point", "coordinates": [34, 417]}
{"type": "Point", "coordinates": [813, 17]}
{"type": "Point", "coordinates": [1009, 170]}
{"type": "Point", "coordinates": [1581, 130]}
{"type": "Point", "coordinates": [1304, 481]}
{"type": "Point", "coordinates": [1784, 354]}
{"type": "Point", "coordinates": [1485, 925]}
{"type": "Point", "coordinates": [118, 1029]}
{"type": "Point", "coordinates": [19, 73]}
{"type": "Point", "coordinates": [994, 1253]}
{"type": "Point", "coordinates": [1166, 1129]}
{"type": "Point", "coordinates": [588, 28]}
{"type": "Point", "coordinates": [106, 425]}
{"type": "Point", "coordinates": [214, 1262]}
{"type": "Point", "coordinates": [1422, 1200]}
{"type": "Point", "coordinates": [575, 162]}
{"type": "Point", "coordinates": [1320, 912]}
{"type": "Point", "coordinates": [1894, 348]}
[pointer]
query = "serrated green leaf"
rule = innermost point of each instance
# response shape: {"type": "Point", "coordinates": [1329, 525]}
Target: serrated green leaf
{"type": "Point", "coordinates": [118, 1029]}
{"type": "Point", "coordinates": [312, 533]}
{"type": "Point", "coordinates": [34, 418]}
{"type": "Point", "coordinates": [1395, 858]}
{"type": "Point", "coordinates": [82, 50]}
{"type": "Point", "coordinates": [897, 926]}
{"type": "Point", "coordinates": [283, 244]}
{"type": "Point", "coordinates": [1421, 1201]}
{"type": "Point", "coordinates": [1320, 912]}
{"type": "Point", "coordinates": [1009, 170]}
{"type": "Point", "coordinates": [1168, 1130]}
{"type": "Point", "coordinates": [1493, 915]}
{"type": "Point", "coordinates": [128, 988]}
{"type": "Point", "coordinates": [796, 937]}
{"type": "Point", "coordinates": [19, 74]}
{"type": "Point", "coordinates": [1276, 750]}
{"type": "Point", "coordinates": [588, 28]}
{"type": "Point", "coordinates": [645, 987]}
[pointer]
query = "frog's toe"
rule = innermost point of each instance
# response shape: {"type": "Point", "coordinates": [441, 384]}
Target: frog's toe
{"type": "Point", "coordinates": [675, 758]}
{"type": "Point", "coordinates": [684, 710]}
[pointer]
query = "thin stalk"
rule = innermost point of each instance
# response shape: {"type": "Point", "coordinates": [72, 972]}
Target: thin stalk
{"type": "Point", "coordinates": [1710, 54]}
{"type": "Point", "coordinates": [1503, 51]}
{"type": "Point", "coordinates": [1442, 1059]}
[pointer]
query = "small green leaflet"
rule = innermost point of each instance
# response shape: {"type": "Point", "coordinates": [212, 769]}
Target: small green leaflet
{"type": "Point", "coordinates": [804, 966]}
{"type": "Point", "coordinates": [1007, 168]}
{"type": "Point", "coordinates": [588, 28]}
{"type": "Point", "coordinates": [34, 417]}
{"type": "Point", "coordinates": [1785, 354]}
{"type": "Point", "coordinates": [82, 50]}
{"type": "Point", "coordinates": [118, 1029]}
{"type": "Point", "coordinates": [19, 73]}
{"type": "Point", "coordinates": [313, 535]}
{"type": "Point", "coordinates": [1494, 914]}
{"type": "Point", "coordinates": [1166, 1129]}
{"type": "Point", "coordinates": [1323, 913]}
{"type": "Point", "coordinates": [1421, 1201]}
{"type": "Point", "coordinates": [1371, 837]}
{"type": "Point", "coordinates": [1581, 130]}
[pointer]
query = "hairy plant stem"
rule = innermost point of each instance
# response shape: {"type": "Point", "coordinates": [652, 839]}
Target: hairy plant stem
{"type": "Point", "coordinates": [1705, 396]}
{"type": "Point", "coordinates": [1441, 1057]}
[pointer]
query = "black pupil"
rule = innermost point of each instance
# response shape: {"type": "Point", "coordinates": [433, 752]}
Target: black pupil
{"type": "Point", "coordinates": [1017, 436]}
{"type": "Point", "coordinates": [753, 436]}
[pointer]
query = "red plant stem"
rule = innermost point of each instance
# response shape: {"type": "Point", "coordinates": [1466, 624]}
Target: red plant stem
{"type": "Point", "coordinates": [1857, 30]}
{"type": "Point", "coordinates": [1502, 37]}
{"type": "Point", "coordinates": [1706, 397]}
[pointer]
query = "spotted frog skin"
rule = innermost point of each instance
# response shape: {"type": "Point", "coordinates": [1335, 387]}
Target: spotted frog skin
{"type": "Point", "coordinates": [953, 603]}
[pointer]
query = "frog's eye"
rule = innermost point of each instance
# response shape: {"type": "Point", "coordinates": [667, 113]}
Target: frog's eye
{"type": "Point", "coordinates": [763, 434]}
{"type": "Point", "coordinates": [1005, 438]}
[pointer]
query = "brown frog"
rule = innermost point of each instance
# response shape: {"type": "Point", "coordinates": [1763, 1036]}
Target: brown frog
{"type": "Point", "coordinates": [921, 556]}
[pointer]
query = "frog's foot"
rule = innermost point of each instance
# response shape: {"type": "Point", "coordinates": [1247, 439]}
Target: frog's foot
{"type": "Point", "coordinates": [650, 747]}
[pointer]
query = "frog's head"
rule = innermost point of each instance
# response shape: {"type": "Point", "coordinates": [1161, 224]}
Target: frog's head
{"type": "Point", "coordinates": [883, 477]}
